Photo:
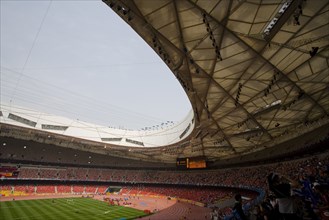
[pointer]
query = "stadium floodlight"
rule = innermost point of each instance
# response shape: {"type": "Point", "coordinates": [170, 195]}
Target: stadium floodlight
{"type": "Point", "coordinates": [287, 9]}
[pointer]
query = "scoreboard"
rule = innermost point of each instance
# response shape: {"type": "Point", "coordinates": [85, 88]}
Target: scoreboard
{"type": "Point", "coordinates": [181, 162]}
{"type": "Point", "coordinates": [191, 163]}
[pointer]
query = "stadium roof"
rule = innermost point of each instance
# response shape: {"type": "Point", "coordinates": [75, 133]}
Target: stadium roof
{"type": "Point", "coordinates": [256, 72]}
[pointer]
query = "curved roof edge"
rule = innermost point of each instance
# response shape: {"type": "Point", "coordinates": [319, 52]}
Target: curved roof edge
{"type": "Point", "coordinates": [157, 136]}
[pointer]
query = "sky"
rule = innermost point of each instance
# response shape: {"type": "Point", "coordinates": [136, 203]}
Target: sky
{"type": "Point", "coordinates": [80, 60]}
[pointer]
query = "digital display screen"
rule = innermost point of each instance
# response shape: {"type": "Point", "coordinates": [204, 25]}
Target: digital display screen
{"type": "Point", "coordinates": [191, 163]}
{"type": "Point", "coordinates": [196, 164]}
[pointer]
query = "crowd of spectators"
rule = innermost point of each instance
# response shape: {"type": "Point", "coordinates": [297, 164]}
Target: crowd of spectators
{"type": "Point", "coordinates": [309, 175]}
{"type": "Point", "coordinates": [250, 176]}
{"type": "Point", "coordinates": [28, 173]}
{"type": "Point", "coordinates": [28, 189]}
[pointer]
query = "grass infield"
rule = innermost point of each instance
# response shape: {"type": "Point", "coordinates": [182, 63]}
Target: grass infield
{"type": "Point", "coordinates": [65, 208]}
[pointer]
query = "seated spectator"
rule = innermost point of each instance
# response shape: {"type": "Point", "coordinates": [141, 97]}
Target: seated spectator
{"type": "Point", "coordinates": [257, 213]}
{"type": "Point", "coordinates": [281, 187]}
{"type": "Point", "coordinates": [270, 208]}
{"type": "Point", "coordinates": [238, 211]}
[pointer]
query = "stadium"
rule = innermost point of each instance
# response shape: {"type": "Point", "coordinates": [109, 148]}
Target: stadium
{"type": "Point", "coordinates": [253, 145]}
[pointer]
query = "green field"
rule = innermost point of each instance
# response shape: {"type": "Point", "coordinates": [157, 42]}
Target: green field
{"type": "Point", "coordinates": [72, 208]}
